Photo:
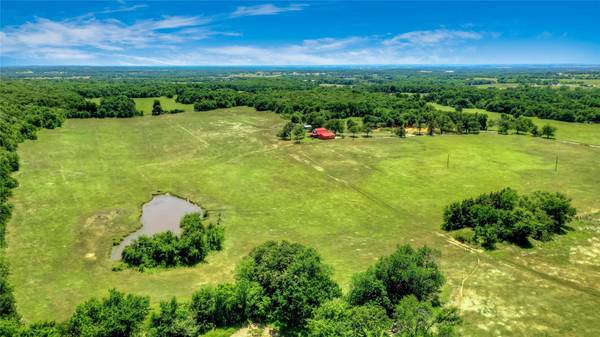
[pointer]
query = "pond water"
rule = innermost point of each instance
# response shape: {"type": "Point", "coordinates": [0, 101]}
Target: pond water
{"type": "Point", "coordinates": [162, 213]}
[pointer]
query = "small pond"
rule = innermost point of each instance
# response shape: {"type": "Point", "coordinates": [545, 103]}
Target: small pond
{"type": "Point", "coordinates": [162, 213]}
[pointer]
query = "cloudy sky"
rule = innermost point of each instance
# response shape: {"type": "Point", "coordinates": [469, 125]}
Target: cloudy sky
{"type": "Point", "coordinates": [297, 33]}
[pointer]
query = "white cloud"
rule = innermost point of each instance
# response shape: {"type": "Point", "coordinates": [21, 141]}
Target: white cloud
{"type": "Point", "coordinates": [266, 9]}
{"type": "Point", "coordinates": [325, 51]}
{"type": "Point", "coordinates": [429, 37]}
{"type": "Point", "coordinates": [354, 50]}
{"type": "Point", "coordinates": [61, 54]}
{"type": "Point", "coordinates": [329, 43]}
{"type": "Point", "coordinates": [104, 35]}
{"type": "Point", "coordinates": [169, 22]}
{"type": "Point", "coordinates": [170, 40]}
{"type": "Point", "coordinates": [123, 9]}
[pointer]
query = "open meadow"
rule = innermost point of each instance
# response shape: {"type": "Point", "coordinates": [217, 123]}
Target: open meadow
{"type": "Point", "coordinates": [145, 104]}
{"type": "Point", "coordinates": [353, 199]}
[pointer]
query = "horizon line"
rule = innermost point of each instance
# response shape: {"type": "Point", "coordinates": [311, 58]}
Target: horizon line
{"type": "Point", "coordinates": [307, 65]}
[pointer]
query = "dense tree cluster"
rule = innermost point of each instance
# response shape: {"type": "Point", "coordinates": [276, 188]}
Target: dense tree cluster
{"type": "Point", "coordinates": [168, 250]}
{"type": "Point", "coordinates": [507, 216]}
{"type": "Point", "coordinates": [286, 285]}
{"type": "Point", "coordinates": [523, 125]}
{"type": "Point", "coordinates": [281, 284]}
{"type": "Point", "coordinates": [565, 104]}
{"type": "Point", "coordinates": [116, 106]}
{"type": "Point", "coordinates": [398, 296]}
{"type": "Point", "coordinates": [118, 315]}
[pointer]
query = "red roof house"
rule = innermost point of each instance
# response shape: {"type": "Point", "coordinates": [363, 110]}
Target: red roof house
{"type": "Point", "coordinates": [323, 133]}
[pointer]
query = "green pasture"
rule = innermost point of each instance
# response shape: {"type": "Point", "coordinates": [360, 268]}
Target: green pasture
{"type": "Point", "coordinates": [145, 104]}
{"type": "Point", "coordinates": [353, 199]}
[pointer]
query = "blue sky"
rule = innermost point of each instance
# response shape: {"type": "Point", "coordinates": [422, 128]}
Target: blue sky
{"type": "Point", "coordinates": [297, 33]}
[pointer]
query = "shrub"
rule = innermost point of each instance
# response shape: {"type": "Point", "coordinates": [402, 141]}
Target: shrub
{"type": "Point", "coordinates": [465, 236]}
{"type": "Point", "coordinates": [229, 304]}
{"type": "Point", "coordinates": [400, 132]}
{"type": "Point", "coordinates": [420, 318]}
{"type": "Point", "coordinates": [338, 318]}
{"type": "Point", "coordinates": [8, 308]}
{"type": "Point", "coordinates": [168, 250]}
{"type": "Point", "coordinates": [406, 272]}
{"type": "Point", "coordinates": [173, 320]}
{"type": "Point", "coordinates": [115, 316]}
{"type": "Point", "coordinates": [286, 131]}
{"type": "Point", "coordinates": [506, 216]}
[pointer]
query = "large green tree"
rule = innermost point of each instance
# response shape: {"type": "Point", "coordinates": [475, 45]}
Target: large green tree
{"type": "Point", "coordinates": [117, 106]}
{"type": "Point", "coordinates": [117, 315]}
{"type": "Point", "coordinates": [407, 271]}
{"type": "Point", "coordinates": [293, 277]}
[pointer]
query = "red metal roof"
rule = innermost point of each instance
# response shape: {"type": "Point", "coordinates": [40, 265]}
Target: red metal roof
{"type": "Point", "coordinates": [323, 133]}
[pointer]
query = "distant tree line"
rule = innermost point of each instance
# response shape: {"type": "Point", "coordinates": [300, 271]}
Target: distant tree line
{"type": "Point", "coordinates": [284, 285]}
{"type": "Point", "coordinates": [507, 216]}
{"type": "Point", "coordinates": [523, 125]}
{"type": "Point", "coordinates": [565, 104]}
{"type": "Point", "coordinates": [168, 250]}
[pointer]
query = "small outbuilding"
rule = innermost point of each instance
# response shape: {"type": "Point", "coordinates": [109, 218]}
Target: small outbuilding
{"type": "Point", "coordinates": [323, 134]}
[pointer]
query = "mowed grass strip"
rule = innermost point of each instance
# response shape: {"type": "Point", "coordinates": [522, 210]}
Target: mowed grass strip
{"type": "Point", "coordinates": [353, 199]}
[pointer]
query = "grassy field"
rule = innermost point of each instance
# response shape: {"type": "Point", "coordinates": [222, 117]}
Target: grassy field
{"type": "Point", "coordinates": [587, 81]}
{"type": "Point", "coordinates": [353, 199]}
{"type": "Point", "coordinates": [573, 132]}
{"type": "Point", "coordinates": [145, 104]}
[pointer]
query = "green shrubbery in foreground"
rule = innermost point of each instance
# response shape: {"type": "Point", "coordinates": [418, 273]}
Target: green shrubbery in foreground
{"type": "Point", "coordinates": [507, 216]}
{"type": "Point", "coordinates": [286, 286]}
{"type": "Point", "coordinates": [169, 250]}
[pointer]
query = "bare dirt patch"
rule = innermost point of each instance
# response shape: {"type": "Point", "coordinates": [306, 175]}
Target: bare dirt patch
{"type": "Point", "coordinates": [588, 254]}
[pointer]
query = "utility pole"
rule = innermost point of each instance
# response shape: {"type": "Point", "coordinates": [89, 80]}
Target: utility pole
{"type": "Point", "coordinates": [448, 161]}
{"type": "Point", "coordinates": [556, 164]}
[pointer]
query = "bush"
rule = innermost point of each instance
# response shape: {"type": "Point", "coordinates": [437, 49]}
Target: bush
{"type": "Point", "coordinates": [168, 250]}
{"type": "Point", "coordinates": [115, 316]}
{"type": "Point", "coordinates": [406, 272]}
{"type": "Point", "coordinates": [420, 318]}
{"type": "Point", "coordinates": [465, 236]}
{"type": "Point", "coordinates": [173, 320]}
{"type": "Point", "coordinates": [338, 318]}
{"type": "Point", "coordinates": [229, 304]}
{"type": "Point", "coordinates": [156, 108]}
{"type": "Point", "coordinates": [506, 216]}
{"type": "Point", "coordinates": [286, 131]}
{"type": "Point", "coordinates": [400, 132]}
{"type": "Point", "coordinates": [8, 309]}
